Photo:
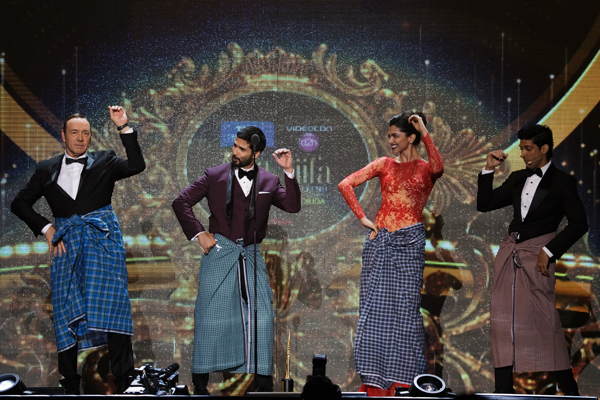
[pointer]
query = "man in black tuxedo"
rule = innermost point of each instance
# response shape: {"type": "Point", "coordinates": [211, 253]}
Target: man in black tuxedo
{"type": "Point", "coordinates": [526, 331]}
{"type": "Point", "coordinates": [89, 278]}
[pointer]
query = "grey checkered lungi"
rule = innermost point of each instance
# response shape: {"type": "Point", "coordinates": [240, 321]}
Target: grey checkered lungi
{"type": "Point", "coordinates": [89, 281]}
{"type": "Point", "coordinates": [224, 323]}
{"type": "Point", "coordinates": [525, 326]}
{"type": "Point", "coordinates": [389, 344]}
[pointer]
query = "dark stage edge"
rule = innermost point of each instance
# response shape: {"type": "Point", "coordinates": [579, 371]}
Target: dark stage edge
{"type": "Point", "coordinates": [281, 395]}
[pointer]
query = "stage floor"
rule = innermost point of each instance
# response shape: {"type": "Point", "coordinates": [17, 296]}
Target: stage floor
{"type": "Point", "coordinates": [281, 395]}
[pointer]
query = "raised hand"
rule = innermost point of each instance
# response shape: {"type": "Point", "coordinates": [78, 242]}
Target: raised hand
{"type": "Point", "coordinates": [417, 122]}
{"type": "Point", "coordinates": [117, 115]}
{"type": "Point", "coordinates": [495, 158]}
{"type": "Point", "coordinates": [283, 157]}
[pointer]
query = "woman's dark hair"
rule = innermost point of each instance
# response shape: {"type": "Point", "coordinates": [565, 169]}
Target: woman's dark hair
{"type": "Point", "coordinates": [401, 121]}
{"type": "Point", "coordinates": [70, 117]}
{"type": "Point", "coordinates": [539, 135]}
{"type": "Point", "coordinates": [247, 133]}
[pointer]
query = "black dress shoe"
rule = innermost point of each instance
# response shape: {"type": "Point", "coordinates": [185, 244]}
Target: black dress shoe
{"type": "Point", "coordinates": [73, 391]}
{"type": "Point", "coordinates": [201, 391]}
{"type": "Point", "coordinates": [123, 383]}
{"type": "Point", "coordinates": [71, 387]}
{"type": "Point", "coordinates": [505, 391]}
{"type": "Point", "coordinates": [200, 382]}
{"type": "Point", "coordinates": [264, 383]}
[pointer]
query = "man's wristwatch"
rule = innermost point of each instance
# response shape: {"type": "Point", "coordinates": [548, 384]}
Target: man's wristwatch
{"type": "Point", "coordinates": [120, 128]}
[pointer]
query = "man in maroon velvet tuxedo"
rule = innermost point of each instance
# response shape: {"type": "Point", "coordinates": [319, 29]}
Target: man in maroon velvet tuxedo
{"type": "Point", "coordinates": [239, 196]}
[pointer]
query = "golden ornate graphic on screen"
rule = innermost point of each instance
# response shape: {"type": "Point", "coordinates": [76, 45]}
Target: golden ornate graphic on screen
{"type": "Point", "coordinates": [330, 106]}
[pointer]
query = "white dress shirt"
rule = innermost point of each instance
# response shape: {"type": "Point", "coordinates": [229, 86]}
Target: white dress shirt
{"type": "Point", "coordinates": [68, 179]}
{"type": "Point", "coordinates": [531, 185]}
{"type": "Point", "coordinates": [246, 185]}
{"type": "Point", "coordinates": [70, 175]}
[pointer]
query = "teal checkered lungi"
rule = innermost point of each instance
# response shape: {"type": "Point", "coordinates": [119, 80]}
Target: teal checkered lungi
{"type": "Point", "coordinates": [89, 282]}
{"type": "Point", "coordinates": [224, 323]}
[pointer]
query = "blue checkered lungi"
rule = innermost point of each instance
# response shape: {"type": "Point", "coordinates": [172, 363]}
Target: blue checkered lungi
{"type": "Point", "coordinates": [89, 282]}
{"type": "Point", "coordinates": [224, 323]}
{"type": "Point", "coordinates": [389, 345]}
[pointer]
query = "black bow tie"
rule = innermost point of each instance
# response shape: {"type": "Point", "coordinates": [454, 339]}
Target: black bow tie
{"type": "Point", "coordinates": [243, 173]}
{"type": "Point", "coordinates": [76, 160]}
{"type": "Point", "coordinates": [536, 171]}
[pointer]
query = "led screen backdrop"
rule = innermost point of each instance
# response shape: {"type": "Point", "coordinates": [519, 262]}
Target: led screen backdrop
{"type": "Point", "coordinates": [320, 78]}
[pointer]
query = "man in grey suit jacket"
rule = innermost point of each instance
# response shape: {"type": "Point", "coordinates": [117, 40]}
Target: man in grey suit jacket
{"type": "Point", "coordinates": [525, 327]}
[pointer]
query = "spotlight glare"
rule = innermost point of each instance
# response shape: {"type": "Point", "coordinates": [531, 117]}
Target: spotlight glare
{"type": "Point", "coordinates": [143, 240]}
{"type": "Point", "coordinates": [428, 387]}
{"type": "Point", "coordinates": [128, 241]}
{"type": "Point", "coordinates": [6, 251]}
{"type": "Point", "coordinates": [23, 249]}
{"type": "Point", "coordinates": [40, 247]}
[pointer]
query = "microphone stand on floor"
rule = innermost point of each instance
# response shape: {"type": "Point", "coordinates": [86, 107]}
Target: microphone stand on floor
{"type": "Point", "coordinates": [254, 194]}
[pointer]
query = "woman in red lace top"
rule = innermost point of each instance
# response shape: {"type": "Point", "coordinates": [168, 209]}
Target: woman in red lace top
{"type": "Point", "coordinates": [389, 344]}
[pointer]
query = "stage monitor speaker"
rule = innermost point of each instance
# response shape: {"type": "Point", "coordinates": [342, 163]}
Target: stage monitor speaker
{"type": "Point", "coordinates": [426, 385]}
{"type": "Point", "coordinates": [11, 384]}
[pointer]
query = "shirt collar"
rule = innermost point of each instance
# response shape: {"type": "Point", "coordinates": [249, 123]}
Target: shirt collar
{"type": "Point", "coordinates": [545, 168]}
{"type": "Point", "coordinates": [68, 156]}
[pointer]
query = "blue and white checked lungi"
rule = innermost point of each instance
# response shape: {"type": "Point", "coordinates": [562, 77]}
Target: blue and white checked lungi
{"type": "Point", "coordinates": [224, 323]}
{"type": "Point", "coordinates": [389, 345]}
{"type": "Point", "coordinates": [89, 282]}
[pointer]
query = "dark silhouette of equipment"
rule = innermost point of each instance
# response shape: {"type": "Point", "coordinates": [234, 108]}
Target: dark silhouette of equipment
{"type": "Point", "coordinates": [150, 380]}
{"type": "Point", "coordinates": [11, 384]}
{"type": "Point", "coordinates": [319, 362]}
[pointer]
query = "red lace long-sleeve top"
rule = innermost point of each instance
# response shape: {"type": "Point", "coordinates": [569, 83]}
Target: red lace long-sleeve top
{"type": "Point", "coordinates": [405, 187]}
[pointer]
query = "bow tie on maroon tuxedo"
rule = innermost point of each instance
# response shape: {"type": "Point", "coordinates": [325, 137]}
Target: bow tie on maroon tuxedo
{"type": "Point", "coordinates": [76, 160]}
{"type": "Point", "coordinates": [536, 171]}
{"type": "Point", "coordinates": [230, 192]}
{"type": "Point", "coordinates": [243, 173]}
